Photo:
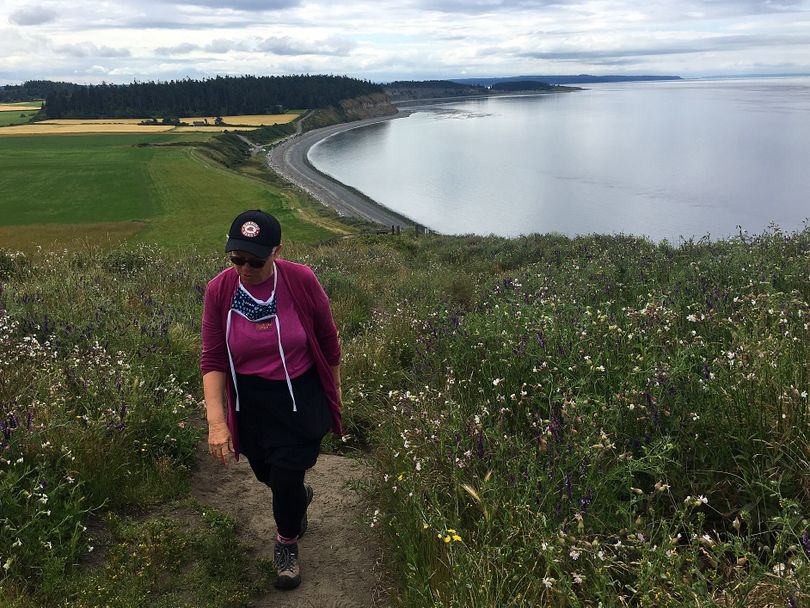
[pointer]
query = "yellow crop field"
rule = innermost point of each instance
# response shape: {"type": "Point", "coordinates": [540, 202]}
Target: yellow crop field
{"type": "Point", "coordinates": [75, 126]}
{"type": "Point", "coordinates": [41, 128]}
{"type": "Point", "coordinates": [252, 120]}
{"type": "Point", "coordinates": [10, 107]}
{"type": "Point", "coordinates": [92, 121]}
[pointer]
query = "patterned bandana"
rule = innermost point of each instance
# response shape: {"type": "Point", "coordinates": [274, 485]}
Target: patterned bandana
{"type": "Point", "coordinates": [250, 308]}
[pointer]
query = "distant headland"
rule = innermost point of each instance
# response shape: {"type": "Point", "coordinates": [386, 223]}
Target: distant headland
{"type": "Point", "coordinates": [562, 79]}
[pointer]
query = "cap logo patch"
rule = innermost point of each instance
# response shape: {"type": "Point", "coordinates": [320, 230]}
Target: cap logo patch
{"type": "Point", "coordinates": [250, 229]}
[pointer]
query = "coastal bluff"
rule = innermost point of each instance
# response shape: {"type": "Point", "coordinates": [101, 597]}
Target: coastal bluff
{"type": "Point", "coordinates": [372, 105]}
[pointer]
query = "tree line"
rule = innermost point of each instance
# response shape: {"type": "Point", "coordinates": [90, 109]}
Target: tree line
{"type": "Point", "coordinates": [33, 90]}
{"type": "Point", "coordinates": [219, 96]}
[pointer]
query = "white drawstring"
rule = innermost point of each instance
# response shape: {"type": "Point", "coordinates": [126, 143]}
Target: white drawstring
{"type": "Point", "coordinates": [278, 331]}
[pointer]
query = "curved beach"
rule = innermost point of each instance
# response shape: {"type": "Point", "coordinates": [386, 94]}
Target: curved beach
{"type": "Point", "coordinates": [289, 159]}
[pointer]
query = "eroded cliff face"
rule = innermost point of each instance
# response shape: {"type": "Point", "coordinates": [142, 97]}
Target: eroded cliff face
{"type": "Point", "coordinates": [349, 110]}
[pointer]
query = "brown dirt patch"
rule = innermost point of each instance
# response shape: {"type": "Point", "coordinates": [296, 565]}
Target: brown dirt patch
{"type": "Point", "coordinates": [341, 561]}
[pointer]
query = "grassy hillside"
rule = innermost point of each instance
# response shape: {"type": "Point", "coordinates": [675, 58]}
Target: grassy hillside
{"type": "Point", "coordinates": [554, 422]}
{"type": "Point", "coordinates": [104, 188]}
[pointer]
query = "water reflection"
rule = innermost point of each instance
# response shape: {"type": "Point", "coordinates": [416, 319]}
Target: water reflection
{"type": "Point", "coordinates": [660, 159]}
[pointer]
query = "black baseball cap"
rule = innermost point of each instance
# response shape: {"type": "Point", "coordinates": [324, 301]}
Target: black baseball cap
{"type": "Point", "coordinates": [254, 231]}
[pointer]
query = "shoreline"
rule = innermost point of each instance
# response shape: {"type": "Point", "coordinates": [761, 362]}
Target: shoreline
{"type": "Point", "coordinates": [289, 159]}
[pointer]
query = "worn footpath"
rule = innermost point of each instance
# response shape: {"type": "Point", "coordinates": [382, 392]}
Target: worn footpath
{"type": "Point", "coordinates": [341, 561]}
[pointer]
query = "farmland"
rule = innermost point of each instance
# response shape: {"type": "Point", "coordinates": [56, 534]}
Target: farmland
{"type": "Point", "coordinates": [104, 187]}
{"type": "Point", "coordinates": [75, 126]}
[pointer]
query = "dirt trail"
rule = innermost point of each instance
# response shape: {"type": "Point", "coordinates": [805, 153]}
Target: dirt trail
{"type": "Point", "coordinates": [340, 559]}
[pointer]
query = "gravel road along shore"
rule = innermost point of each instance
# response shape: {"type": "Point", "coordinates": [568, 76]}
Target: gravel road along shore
{"type": "Point", "coordinates": [289, 159]}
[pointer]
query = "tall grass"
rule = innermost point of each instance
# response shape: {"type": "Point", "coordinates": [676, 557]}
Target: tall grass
{"type": "Point", "coordinates": [585, 422]}
{"type": "Point", "coordinates": [554, 421]}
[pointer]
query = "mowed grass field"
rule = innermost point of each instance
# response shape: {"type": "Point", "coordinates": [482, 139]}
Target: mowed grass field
{"type": "Point", "coordinates": [58, 190]}
{"type": "Point", "coordinates": [15, 117]}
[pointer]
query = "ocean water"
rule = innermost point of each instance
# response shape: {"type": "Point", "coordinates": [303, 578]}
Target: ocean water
{"type": "Point", "coordinates": [667, 160]}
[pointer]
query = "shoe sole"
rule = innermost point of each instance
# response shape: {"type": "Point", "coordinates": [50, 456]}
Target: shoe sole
{"type": "Point", "coordinates": [286, 582]}
{"type": "Point", "coordinates": [304, 521]}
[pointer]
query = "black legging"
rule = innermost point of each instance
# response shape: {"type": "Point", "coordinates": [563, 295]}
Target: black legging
{"type": "Point", "coordinates": [289, 495]}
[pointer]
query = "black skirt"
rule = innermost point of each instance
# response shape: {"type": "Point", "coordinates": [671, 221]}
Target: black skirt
{"type": "Point", "coordinates": [270, 431]}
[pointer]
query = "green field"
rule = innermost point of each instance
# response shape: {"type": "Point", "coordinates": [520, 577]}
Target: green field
{"type": "Point", "coordinates": [15, 117]}
{"type": "Point", "coordinates": [105, 187]}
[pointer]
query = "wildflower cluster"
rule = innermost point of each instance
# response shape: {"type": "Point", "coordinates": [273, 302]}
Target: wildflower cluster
{"type": "Point", "coordinates": [86, 422]}
{"type": "Point", "coordinates": [604, 417]}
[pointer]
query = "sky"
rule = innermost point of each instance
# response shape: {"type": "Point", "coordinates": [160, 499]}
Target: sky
{"type": "Point", "coordinates": [117, 41]}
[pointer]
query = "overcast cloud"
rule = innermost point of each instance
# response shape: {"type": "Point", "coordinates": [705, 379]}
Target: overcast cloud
{"type": "Point", "coordinates": [118, 41]}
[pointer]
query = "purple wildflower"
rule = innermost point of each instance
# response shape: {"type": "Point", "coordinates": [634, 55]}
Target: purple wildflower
{"type": "Point", "coordinates": [806, 543]}
{"type": "Point", "coordinates": [792, 600]}
{"type": "Point", "coordinates": [586, 500]}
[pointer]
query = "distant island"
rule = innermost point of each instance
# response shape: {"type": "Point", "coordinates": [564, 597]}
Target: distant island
{"type": "Point", "coordinates": [411, 90]}
{"type": "Point", "coordinates": [561, 79]}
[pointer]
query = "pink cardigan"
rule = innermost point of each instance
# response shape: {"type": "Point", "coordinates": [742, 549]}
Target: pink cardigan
{"type": "Point", "coordinates": [312, 305]}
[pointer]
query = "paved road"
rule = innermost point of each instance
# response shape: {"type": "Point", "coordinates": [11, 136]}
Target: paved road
{"type": "Point", "coordinates": [289, 159]}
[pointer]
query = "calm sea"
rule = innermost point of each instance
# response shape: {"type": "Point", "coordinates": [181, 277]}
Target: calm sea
{"type": "Point", "coordinates": [665, 160]}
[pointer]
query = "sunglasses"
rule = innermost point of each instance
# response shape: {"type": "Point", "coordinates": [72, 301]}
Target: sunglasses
{"type": "Point", "coordinates": [238, 260]}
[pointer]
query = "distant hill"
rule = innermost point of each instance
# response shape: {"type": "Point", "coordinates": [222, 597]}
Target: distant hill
{"type": "Point", "coordinates": [403, 90]}
{"type": "Point", "coordinates": [524, 85]}
{"type": "Point", "coordinates": [561, 79]}
{"type": "Point", "coordinates": [220, 96]}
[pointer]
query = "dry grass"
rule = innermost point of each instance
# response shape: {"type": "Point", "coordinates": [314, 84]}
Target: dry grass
{"type": "Point", "coordinates": [73, 236]}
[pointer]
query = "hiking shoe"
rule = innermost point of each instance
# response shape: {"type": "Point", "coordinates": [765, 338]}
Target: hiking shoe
{"type": "Point", "coordinates": [304, 521]}
{"type": "Point", "coordinates": [285, 559]}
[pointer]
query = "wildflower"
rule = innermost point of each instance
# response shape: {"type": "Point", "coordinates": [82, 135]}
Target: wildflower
{"type": "Point", "coordinates": [578, 578]}
{"type": "Point", "coordinates": [7, 565]}
{"type": "Point", "coordinates": [548, 582]}
{"type": "Point", "coordinates": [574, 554]}
{"type": "Point", "coordinates": [447, 539]}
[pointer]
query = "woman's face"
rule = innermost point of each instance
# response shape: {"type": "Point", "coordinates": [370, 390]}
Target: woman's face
{"type": "Point", "coordinates": [254, 276]}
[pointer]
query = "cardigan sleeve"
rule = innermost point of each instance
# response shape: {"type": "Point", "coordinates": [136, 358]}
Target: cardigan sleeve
{"type": "Point", "coordinates": [214, 356]}
{"type": "Point", "coordinates": [323, 322]}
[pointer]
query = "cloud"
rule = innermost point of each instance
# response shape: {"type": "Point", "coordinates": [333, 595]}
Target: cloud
{"type": "Point", "coordinates": [285, 45]}
{"type": "Point", "coordinates": [485, 6]}
{"type": "Point", "coordinates": [243, 5]}
{"type": "Point", "coordinates": [32, 15]}
{"type": "Point", "coordinates": [88, 49]}
{"type": "Point", "coordinates": [618, 56]}
{"type": "Point", "coordinates": [181, 49]}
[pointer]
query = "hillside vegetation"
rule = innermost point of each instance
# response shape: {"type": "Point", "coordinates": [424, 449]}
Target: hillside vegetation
{"type": "Point", "coordinates": [598, 421]}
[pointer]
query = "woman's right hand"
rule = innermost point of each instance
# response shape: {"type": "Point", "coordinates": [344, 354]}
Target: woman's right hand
{"type": "Point", "coordinates": [219, 441]}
